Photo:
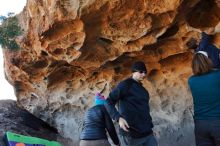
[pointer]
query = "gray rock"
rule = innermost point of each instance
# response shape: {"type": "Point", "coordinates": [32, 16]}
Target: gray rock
{"type": "Point", "coordinates": [20, 121]}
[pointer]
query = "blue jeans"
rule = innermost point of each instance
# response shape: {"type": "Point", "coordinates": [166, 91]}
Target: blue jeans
{"type": "Point", "coordinates": [207, 132]}
{"type": "Point", "coordinates": [149, 140]}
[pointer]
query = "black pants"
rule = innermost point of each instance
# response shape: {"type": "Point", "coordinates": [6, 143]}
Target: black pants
{"type": "Point", "coordinates": [207, 132]}
{"type": "Point", "coordinates": [149, 140]}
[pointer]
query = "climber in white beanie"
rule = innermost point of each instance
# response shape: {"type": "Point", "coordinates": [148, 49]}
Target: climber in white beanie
{"type": "Point", "coordinates": [208, 49]}
{"type": "Point", "coordinates": [203, 52]}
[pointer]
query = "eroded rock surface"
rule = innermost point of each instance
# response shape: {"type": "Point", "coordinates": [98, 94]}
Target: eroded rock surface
{"type": "Point", "coordinates": [73, 48]}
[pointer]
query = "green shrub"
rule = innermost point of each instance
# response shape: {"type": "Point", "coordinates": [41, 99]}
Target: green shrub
{"type": "Point", "coordinates": [9, 30]}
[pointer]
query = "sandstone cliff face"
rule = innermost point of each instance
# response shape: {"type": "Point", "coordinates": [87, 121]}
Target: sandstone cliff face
{"type": "Point", "coordinates": [73, 48]}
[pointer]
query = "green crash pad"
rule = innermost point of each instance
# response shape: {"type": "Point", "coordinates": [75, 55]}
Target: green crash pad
{"type": "Point", "coordinates": [12, 139]}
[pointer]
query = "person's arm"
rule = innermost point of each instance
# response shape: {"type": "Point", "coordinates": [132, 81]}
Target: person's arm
{"type": "Point", "coordinates": [110, 127]}
{"type": "Point", "coordinates": [112, 99]}
{"type": "Point", "coordinates": [205, 40]}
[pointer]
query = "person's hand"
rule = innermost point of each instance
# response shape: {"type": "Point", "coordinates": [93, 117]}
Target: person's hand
{"type": "Point", "coordinates": [123, 124]}
{"type": "Point", "coordinates": [194, 29]}
{"type": "Point", "coordinates": [209, 30]}
{"type": "Point", "coordinates": [156, 133]}
{"type": "Point", "coordinates": [217, 27]}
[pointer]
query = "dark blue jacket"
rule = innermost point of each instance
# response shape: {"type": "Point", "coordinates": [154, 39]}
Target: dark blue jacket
{"type": "Point", "coordinates": [206, 95]}
{"type": "Point", "coordinates": [133, 101]}
{"type": "Point", "coordinates": [213, 51]}
{"type": "Point", "coordinates": [96, 122]}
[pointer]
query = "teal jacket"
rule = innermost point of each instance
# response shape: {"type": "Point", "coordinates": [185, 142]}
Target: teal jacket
{"type": "Point", "coordinates": [206, 95]}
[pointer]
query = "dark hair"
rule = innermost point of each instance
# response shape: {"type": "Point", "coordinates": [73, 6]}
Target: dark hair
{"type": "Point", "coordinates": [192, 43]}
{"type": "Point", "coordinates": [201, 64]}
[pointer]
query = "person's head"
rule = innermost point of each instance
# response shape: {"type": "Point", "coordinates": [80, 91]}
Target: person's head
{"type": "Point", "coordinates": [99, 99]}
{"type": "Point", "coordinates": [192, 43]}
{"type": "Point", "coordinates": [201, 64]}
{"type": "Point", "coordinates": [139, 70]}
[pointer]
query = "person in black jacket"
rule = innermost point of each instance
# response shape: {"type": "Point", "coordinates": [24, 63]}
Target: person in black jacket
{"type": "Point", "coordinates": [134, 113]}
{"type": "Point", "coordinates": [212, 51]}
{"type": "Point", "coordinates": [96, 122]}
{"type": "Point", "coordinates": [206, 45]}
